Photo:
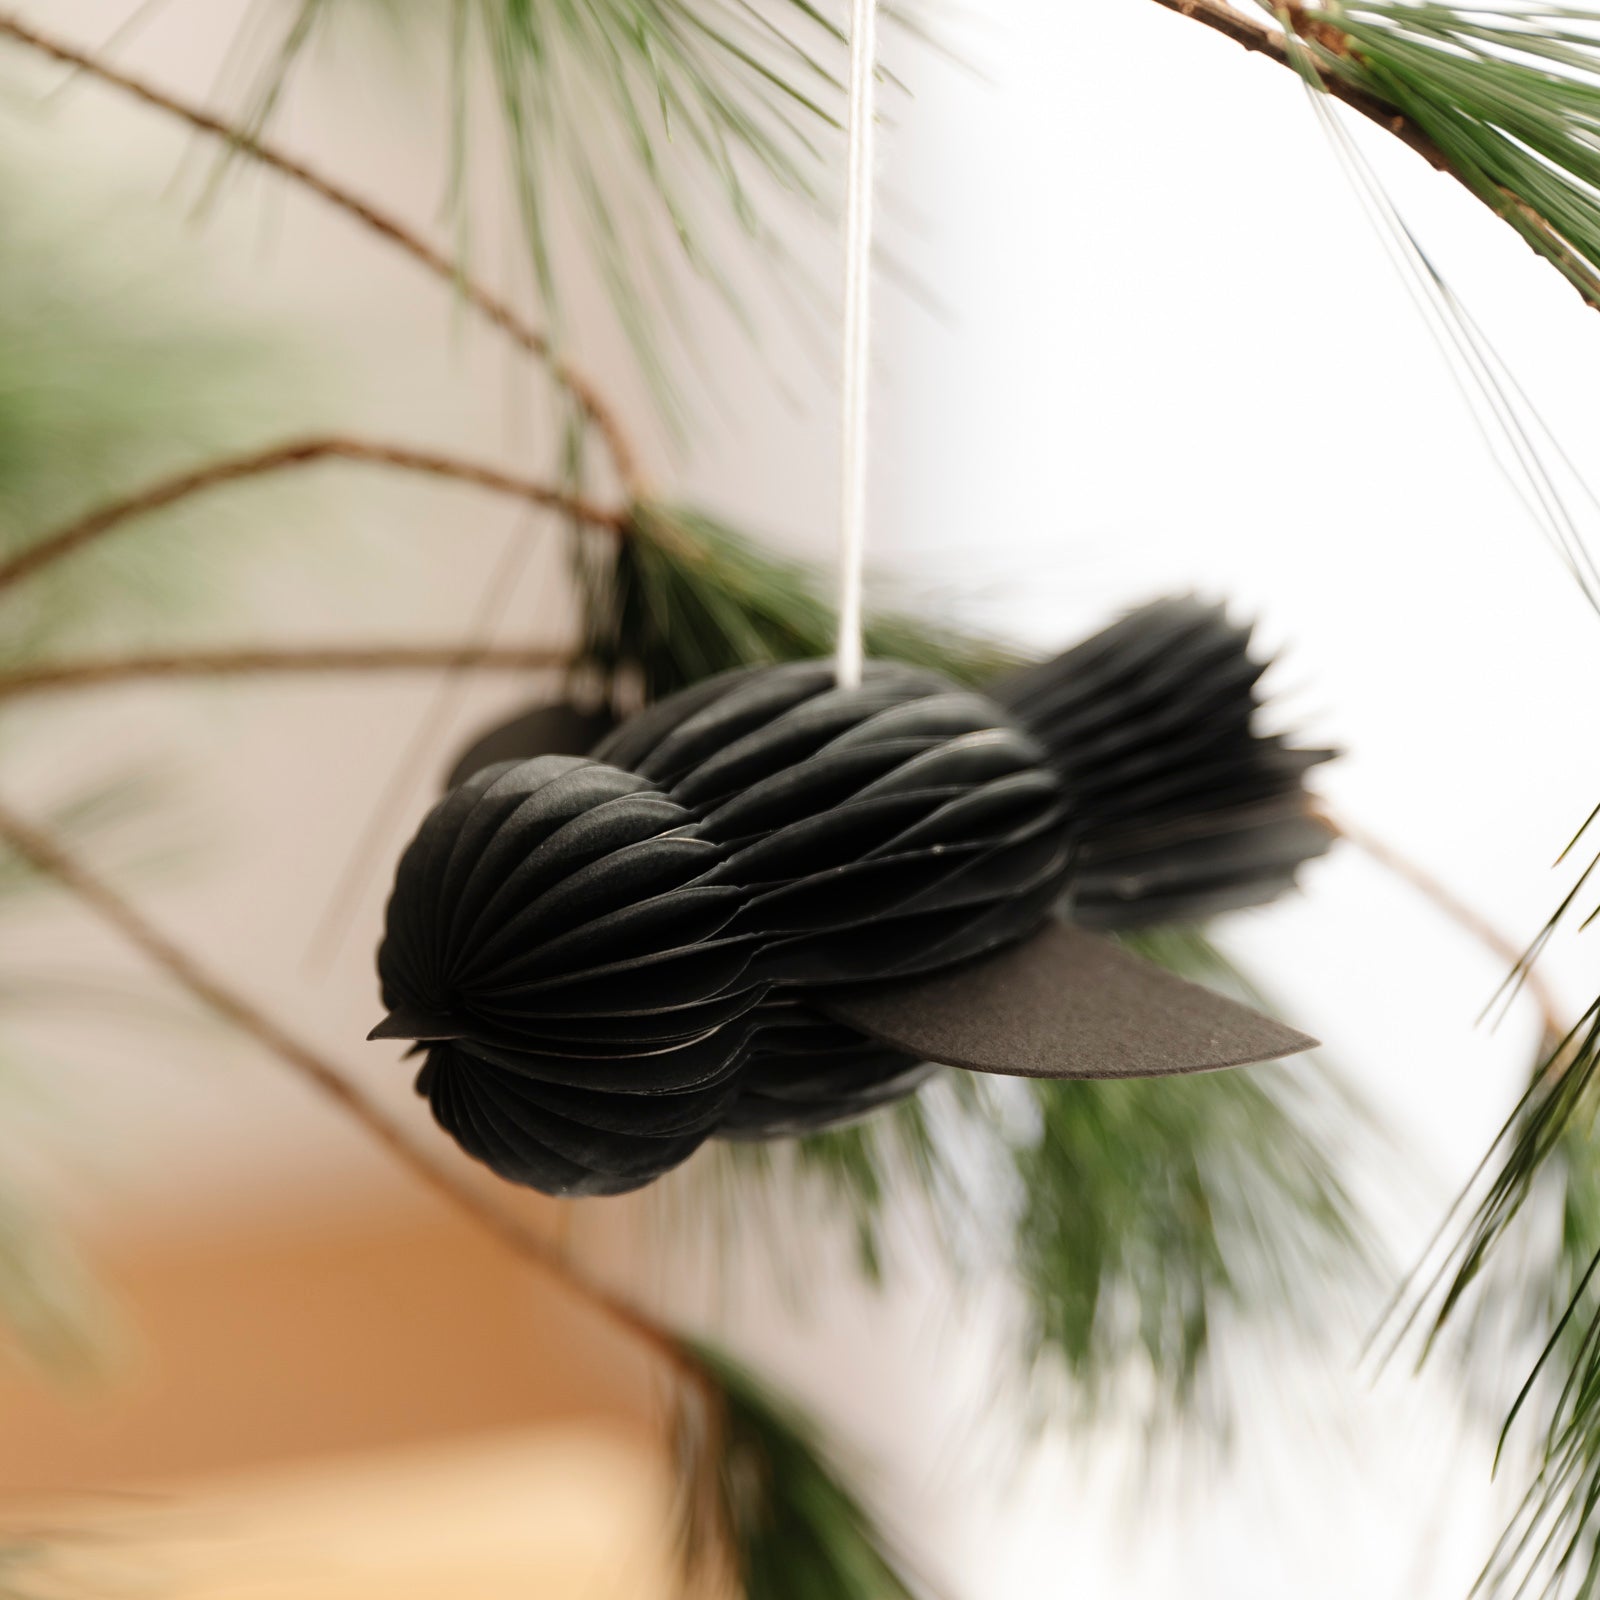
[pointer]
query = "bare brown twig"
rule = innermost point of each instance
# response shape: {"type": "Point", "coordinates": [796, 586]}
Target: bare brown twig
{"type": "Point", "coordinates": [487, 304]}
{"type": "Point", "coordinates": [250, 660]}
{"type": "Point", "coordinates": [1261, 39]}
{"type": "Point", "coordinates": [1473, 923]}
{"type": "Point", "coordinates": [47, 855]}
{"type": "Point", "coordinates": [278, 458]}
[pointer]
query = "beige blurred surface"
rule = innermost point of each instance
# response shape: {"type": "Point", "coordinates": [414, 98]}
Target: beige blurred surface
{"type": "Point", "coordinates": [379, 1402]}
{"type": "Point", "coordinates": [280, 1341]}
{"type": "Point", "coordinates": [568, 1512]}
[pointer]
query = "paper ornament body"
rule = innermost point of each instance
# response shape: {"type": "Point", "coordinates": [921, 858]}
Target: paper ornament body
{"type": "Point", "coordinates": [767, 904]}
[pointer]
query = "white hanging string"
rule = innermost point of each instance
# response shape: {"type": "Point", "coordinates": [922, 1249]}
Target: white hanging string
{"type": "Point", "coordinates": [856, 362]}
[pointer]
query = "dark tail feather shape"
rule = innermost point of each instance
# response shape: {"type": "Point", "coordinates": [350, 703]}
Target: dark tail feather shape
{"type": "Point", "coordinates": [1185, 809]}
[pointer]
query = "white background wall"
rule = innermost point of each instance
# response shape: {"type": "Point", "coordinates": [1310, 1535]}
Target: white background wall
{"type": "Point", "coordinates": [1172, 356]}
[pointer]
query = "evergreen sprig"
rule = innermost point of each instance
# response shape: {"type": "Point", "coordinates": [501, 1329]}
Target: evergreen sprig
{"type": "Point", "coordinates": [1140, 1215]}
{"type": "Point", "coordinates": [764, 1495]}
{"type": "Point", "coordinates": [684, 596]}
{"type": "Point", "coordinates": [659, 126]}
{"type": "Point", "coordinates": [1521, 1277]}
{"type": "Point", "coordinates": [1508, 95]}
{"type": "Point", "coordinates": [1157, 1213]}
{"type": "Point", "coordinates": [104, 373]}
{"type": "Point", "coordinates": [1140, 1224]}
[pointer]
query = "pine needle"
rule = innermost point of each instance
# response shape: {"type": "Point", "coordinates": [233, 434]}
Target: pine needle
{"type": "Point", "coordinates": [666, 130]}
{"type": "Point", "coordinates": [1138, 1215]}
{"type": "Point", "coordinates": [687, 597]}
{"type": "Point", "coordinates": [766, 1510]}
{"type": "Point", "coordinates": [1156, 1212]}
{"type": "Point", "coordinates": [1520, 1275]}
{"type": "Point", "coordinates": [1509, 94]}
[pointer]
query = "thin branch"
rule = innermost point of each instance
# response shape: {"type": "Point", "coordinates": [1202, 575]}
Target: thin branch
{"type": "Point", "coordinates": [489, 305]}
{"type": "Point", "coordinates": [1505, 949]}
{"type": "Point", "coordinates": [1260, 39]}
{"type": "Point", "coordinates": [297, 453]}
{"type": "Point", "coordinates": [251, 660]}
{"type": "Point", "coordinates": [50, 857]}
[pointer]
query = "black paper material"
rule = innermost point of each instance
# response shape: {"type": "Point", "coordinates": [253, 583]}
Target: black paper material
{"type": "Point", "coordinates": [553, 730]}
{"type": "Point", "coordinates": [1064, 1004]}
{"type": "Point", "coordinates": [767, 904]}
{"type": "Point", "coordinates": [1185, 809]}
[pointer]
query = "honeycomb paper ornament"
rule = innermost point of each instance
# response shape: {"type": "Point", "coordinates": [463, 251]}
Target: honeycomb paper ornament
{"type": "Point", "coordinates": [769, 904]}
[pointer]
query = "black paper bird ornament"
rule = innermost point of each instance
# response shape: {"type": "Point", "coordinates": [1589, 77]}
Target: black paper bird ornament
{"type": "Point", "coordinates": [767, 904]}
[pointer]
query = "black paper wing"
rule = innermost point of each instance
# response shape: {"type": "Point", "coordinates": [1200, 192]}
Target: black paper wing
{"type": "Point", "coordinates": [1063, 1004]}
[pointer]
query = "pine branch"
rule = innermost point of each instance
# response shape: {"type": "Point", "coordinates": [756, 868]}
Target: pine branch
{"type": "Point", "coordinates": [50, 857]}
{"type": "Point", "coordinates": [1521, 1269]}
{"type": "Point", "coordinates": [760, 1484]}
{"type": "Point", "coordinates": [687, 596]}
{"type": "Point", "coordinates": [1453, 126]}
{"type": "Point", "coordinates": [1473, 923]}
{"type": "Point", "coordinates": [93, 525]}
{"type": "Point", "coordinates": [1151, 1212]}
{"type": "Point", "coordinates": [1260, 39]}
{"type": "Point", "coordinates": [1157, 1213]}
{"type": "Point", "coordinates": [51, 677]}
{"type": "Point", "coordinates": [490, 306]}
{"type": "Point", "coordinates": [655, 134]}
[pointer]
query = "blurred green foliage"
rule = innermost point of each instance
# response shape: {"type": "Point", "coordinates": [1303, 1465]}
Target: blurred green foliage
{"type": "Point", "coordinates": [665, 135]}
{"type": "Point", "coordinates": [762, 1486]}
{"type": "Point", "coordinates": [1136, 1220]}
{"type": "Point", "coordinates": [111, 372]}
{"type": "Point", "coordinates": [1143, 1216]}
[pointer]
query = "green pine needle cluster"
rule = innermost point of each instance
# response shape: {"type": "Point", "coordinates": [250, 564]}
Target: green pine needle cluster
{"type": "Point", "coordinates": [106, 376]}
{"type": "Point", "coordinates": [1509, 94]}
{"type": "Point", "coordinates": [873, 1177]}
{"type": "Point", "coordinates": [1158, 1212]}
{"type": "Point", "coordinates": [1158, 1220]}
{"type": "Point", "coordinates": [1520, 1278]}
{"type": "Point", "coordinates": [685, 596]}
{"type": "Point", "coordinates": [663, 129]}
{"type": "Point", "coordinates": [1140, 1224]}
{"type": "Point", "coordinates": [1147, 1213]}
{"type": "Point", "coordinates": [667, 128]}
{"type": "Point", "coordinates": [764, 1497]}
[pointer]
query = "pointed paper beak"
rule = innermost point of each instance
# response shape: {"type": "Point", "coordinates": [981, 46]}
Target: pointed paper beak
{"type": "Point", "coordinates": [404, 1024]}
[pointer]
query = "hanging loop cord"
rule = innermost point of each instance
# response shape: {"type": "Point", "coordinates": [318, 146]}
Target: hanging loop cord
{"type": "Point", "coordinates": [856, 362]}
